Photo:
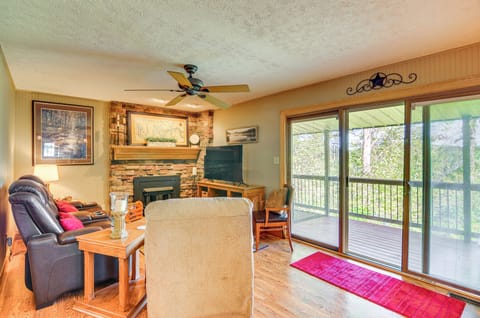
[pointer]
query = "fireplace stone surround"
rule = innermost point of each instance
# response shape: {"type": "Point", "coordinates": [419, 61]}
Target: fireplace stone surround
{"type": "Point", "coordinates": [123, 172]}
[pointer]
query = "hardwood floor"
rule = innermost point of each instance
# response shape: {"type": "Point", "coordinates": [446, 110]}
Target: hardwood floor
{"type": "Point", "coordinates": [280, 291]}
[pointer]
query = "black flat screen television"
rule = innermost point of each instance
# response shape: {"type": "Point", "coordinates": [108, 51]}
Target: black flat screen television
{"type": "Point", "coordinates": [224, 163]}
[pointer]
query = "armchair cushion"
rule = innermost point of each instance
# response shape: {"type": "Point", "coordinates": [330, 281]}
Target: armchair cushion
{"type": "Point", "coordinates": [69, 222]}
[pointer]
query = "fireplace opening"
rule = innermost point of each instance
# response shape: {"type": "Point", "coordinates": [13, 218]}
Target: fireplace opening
{"type": "Point", "coordinates": [152, 188]}
{"type": "Point", "coordinates": [157, 193]}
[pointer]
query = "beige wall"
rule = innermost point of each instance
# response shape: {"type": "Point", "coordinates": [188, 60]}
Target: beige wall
{"type": "Point", "coordinates": [84, 182]}
{"type": "Point", "coordinates": [440, 72]}
{"type": "Point", "coordinates": [7, 100]}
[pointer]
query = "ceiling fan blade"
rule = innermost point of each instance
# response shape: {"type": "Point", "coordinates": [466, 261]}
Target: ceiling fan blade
{"type": "Point", "coordinates": [226, 88]}
{"type": "Point", "coordinates": [176, 100]}
{"type": "Point", "coordinates": [152, 90]}
{"type": "Point", "coordinates": [215, 101]}
{"type": "Point", "coordinates": [180, 78]}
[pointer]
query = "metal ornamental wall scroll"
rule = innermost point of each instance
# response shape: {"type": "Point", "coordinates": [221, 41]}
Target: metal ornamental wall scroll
{"type": "Point", "coordinates": [381, 80]}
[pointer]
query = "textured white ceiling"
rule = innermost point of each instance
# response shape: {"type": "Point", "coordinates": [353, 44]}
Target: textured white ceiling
{"type": "Point", "coordinates": [97, 48]}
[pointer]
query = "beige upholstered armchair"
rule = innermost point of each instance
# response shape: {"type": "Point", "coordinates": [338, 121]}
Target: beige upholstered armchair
{"type": "Point", "coordinates": [198, 258]}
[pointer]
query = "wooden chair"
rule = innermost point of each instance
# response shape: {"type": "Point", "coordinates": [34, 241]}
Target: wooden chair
{"type": "Point", "coordinates": [275, 217]}
{"type": "Point", "coordinates": [135, 211]}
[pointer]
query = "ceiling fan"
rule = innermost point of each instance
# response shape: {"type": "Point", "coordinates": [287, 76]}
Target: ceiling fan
{"type": "Point", "coordinates": [191, 86]}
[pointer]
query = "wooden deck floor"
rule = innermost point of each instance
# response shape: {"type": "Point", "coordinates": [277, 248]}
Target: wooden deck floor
{"type": "Point", "coordinates": [451, 259]}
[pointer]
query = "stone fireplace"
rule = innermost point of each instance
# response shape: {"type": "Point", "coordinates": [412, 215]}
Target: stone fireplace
{"type": "Point", "coordinates": [123, 173]}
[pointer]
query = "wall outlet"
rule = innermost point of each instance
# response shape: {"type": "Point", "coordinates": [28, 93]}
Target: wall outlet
{"type": "Point", "coordinates": [276, 160]}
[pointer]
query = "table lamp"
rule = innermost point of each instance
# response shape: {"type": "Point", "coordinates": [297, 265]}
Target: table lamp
{"type": "Point", "coordinates": [47, 173]}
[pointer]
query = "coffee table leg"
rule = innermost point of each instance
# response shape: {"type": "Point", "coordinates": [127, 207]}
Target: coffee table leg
{"type": "Point", "coordinates": [123, 282]}
{"type": "Point", "coordinates": [89, 291]}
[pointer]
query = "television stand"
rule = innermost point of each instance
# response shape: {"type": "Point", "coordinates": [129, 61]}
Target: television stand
{"type": "Point", "coordinates": [255, 193]}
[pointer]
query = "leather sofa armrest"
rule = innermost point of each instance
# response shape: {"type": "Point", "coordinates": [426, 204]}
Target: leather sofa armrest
{"type": "Point", "coordinates": [69, 237]}
{"type": "Point", "coordinates": [85, 206]}
{"type": "Point", "coordinates": [42, 239]}
{"type": "Point", "coordinates": [92, 204]}
{"type": "Point", "coordinates": [99, 215]}
{"type": "Point", "coordinates": [88, 217]}
{"type": "Point", "coordinates": [83, 216]}
{"type": "Point", "coordinates": [76, 203]}
{"type": "Point", "coordinates": [92, 209]}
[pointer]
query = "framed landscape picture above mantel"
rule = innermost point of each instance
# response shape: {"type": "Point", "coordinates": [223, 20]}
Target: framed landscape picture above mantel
{"type": "Point", "coordinates": [143, 125]}
{"type": "Point", "coordinates": [62, 134]}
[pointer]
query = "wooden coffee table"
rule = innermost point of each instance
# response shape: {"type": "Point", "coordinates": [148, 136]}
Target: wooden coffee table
{"type": "Point", "coordinates": [124, 249]}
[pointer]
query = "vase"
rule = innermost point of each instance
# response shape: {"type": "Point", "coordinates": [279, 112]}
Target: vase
{"type": "Point", "coordinates": [118, 208]}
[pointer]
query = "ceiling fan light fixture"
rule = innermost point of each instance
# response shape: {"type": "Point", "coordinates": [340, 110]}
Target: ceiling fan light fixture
{"type": "Point", "coordinates": [196, 83]}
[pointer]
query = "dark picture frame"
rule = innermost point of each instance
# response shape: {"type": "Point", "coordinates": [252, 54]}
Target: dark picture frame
{"type": "Point", "coordinates": [62, 133]}
{"type": "Point", "coordinates": [242, 135]}
{"type": "Point", "coordinates": [142, 125]}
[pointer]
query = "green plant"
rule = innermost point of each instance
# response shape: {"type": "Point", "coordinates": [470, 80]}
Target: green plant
{"type": "Point", "coordinates": [160, 139]}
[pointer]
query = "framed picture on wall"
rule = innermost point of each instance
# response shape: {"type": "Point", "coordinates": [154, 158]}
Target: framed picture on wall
{"type": "Point", "coordinates": [62, 134]}
{"type": "Point", "coordinates": [242, 135]}
{"type": "Point", "coordinates": [144, 125]}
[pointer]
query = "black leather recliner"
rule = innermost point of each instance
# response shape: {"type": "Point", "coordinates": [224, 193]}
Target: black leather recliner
{"type": "Point", "coordinates": [53, 263]}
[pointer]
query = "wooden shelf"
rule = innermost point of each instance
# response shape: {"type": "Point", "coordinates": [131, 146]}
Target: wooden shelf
{"type": "Point", "coordinates": [154, 153]}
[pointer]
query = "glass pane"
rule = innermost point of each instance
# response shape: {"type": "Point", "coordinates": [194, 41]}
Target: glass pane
{"type": "Point", "coordinates": [447, 141]}
{"type": "Point", "coordinates": [375, 186]}
{"type": "Point", "coordinates": [314, 172]}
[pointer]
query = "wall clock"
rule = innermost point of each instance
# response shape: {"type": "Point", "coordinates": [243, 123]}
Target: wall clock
{"type": "Point", "coordinates": [194, 140]}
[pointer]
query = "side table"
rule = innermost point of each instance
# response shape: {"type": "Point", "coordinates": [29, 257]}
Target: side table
{"type": "Point", "coordinates": [124, 249]}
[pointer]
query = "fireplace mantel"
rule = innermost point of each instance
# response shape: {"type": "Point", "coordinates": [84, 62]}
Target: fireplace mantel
{"type": "Point", "coordinates": [154, 153]}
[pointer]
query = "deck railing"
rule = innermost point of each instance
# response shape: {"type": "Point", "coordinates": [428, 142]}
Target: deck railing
{"type": "Point", "coordinates": [382, 200]}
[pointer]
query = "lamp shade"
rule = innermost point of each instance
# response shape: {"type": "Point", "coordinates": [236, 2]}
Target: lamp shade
{"type": "Point", "coordinates": [47, 173]}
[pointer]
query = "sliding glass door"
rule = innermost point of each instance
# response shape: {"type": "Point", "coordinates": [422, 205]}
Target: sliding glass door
{"type": "Point", "coordinates": [314, 171]}
{"type": "Point", "coordinates": [396, 184]}
{"type": "Point", "coordinates": [375, 183]}
{"type": "Point", "coordinates": [444, 230]}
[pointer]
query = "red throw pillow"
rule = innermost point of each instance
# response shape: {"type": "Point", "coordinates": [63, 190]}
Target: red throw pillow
{"type": "Point", "coordinates": [69, 222]}
{"type": "Point", "coordinates": [64, 206]}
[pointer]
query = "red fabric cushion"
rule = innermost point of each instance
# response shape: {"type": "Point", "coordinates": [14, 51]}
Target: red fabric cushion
{"type": "Point", "coordinates": [69, 222]}
{"type": "Point", "coordinates": [64, 206]}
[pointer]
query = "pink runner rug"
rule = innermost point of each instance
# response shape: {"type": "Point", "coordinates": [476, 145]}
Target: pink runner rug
{"type": "Point", "coordinates": [399, 296]}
